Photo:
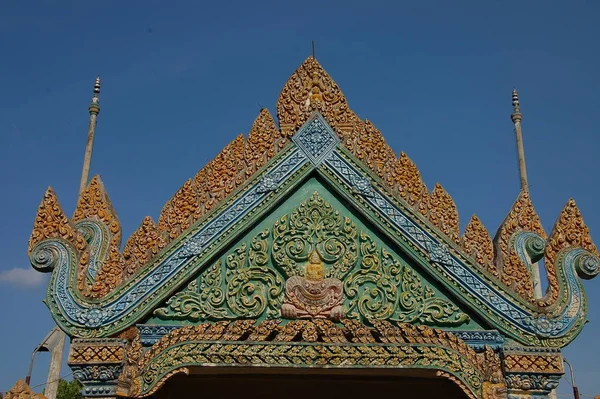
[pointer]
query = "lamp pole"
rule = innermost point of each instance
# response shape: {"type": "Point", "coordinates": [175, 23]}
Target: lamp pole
{"type": "Point", "coordinates": [575, 389]}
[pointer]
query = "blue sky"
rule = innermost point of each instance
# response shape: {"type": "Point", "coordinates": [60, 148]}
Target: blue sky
{"type": "Point", "coordinates": [180, 80]}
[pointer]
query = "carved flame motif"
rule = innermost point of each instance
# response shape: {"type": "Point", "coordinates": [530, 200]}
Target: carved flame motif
{"type": "Point", "coordinates": [569, 231]}
{"type": "Point", "coordinates": [442, 212]}
{"type": "Point", "coordinates": [51, 222]}
{"type": "Point", "coordinates": [477, 242]}
{"type": "Point", "coordinates": [145, 243]}
{"type": "Point", "coordinates": [407, 182]}
{"type": "Point", "coordinates": [372, 149]}
{"type": "Point", "coordinates": [94, 204]}
{"type": "Point", "coordinates": [311, 89]}
{"type": "Point", "coordinates": [514, 273]}
{"type": "Point", "coordinates": [22, 391]}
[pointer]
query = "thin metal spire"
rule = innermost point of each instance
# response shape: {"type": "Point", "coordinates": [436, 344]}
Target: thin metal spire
{"type": "Point", "coordinates": [94, 109]}
{"type": "Point", "coordinates": [313, 49]}
{"type": "Point", "coordinates": [516, 118]}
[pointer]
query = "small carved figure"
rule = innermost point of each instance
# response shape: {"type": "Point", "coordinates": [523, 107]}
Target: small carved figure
{"type": "Point", "coordinates": [313, 296]}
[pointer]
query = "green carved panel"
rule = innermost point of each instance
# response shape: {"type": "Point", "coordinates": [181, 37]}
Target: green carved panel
{"type": "Point", "coordinates": [313, 257]}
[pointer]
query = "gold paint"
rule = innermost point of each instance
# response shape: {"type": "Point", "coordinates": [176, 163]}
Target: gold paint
{"type": "Point", "coordinates": [569, 231]}
{"type": "Point", "coordinates": [309, 89]}
{"type": "Point", "coordinates": [533, 363]}
{"type": "Point", "coordinates": [22, 391]}
{"type": "Point", "coordinates": [513, 272]}
{"type": "Point", "coordinates": [94, 204]}
{"type": "Point", "coordinates": [407, 182]}
{"type": "Point", "coordinates": [477, 243]}
{"type": "Point", "coordinates": [442, 212]}
{"type": "Point", "coordinates": [399, 344]}
{"type": "Point", "coordinates": [51, 222]}
{"type": "Point", "coordinates": [145, 243]}
{"type": "Point", "coordinates": [263, 142]}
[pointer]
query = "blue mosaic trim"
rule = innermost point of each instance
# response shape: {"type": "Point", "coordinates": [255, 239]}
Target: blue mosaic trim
{"type": "Point", "coordinates": [316, 139]}
{"type": "Point", "coordinates": [479, 339]}
{"type": "Point", "coordinates": [454, 268]}
{"type": "Point", "coordinates": [152, 333]}
{"type": "Point", "coordinates": [90, 316]}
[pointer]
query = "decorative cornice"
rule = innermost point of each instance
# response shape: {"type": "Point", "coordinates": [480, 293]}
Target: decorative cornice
{"type": "Point", "coordinates": [315, 342]}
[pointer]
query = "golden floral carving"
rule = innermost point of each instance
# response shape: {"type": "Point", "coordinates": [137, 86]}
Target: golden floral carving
{"type": "Point", "coordinates": [407, 182]}
{"type": "Point", "coordinates": [372, 149]}
{"type": "Point", "coordinates": [569, 231]}
{"type": "Point", "coordinates": [177, 214]}
{"type": "Point", "coordinates": [513, 272]}
{"type": "Point", "coordinates": [145, 243]}
{"type": "Point", "coordinates": [51, 222]}
{"type": "Point", "coordinates": [22, 391]}
{"type": "Point", "coordinates": [263, 142]}
{"type": "Point", "coordinates": [227, 169]}
{"type": "Point", "coordinates": [477, 243]}
{"type": "Point", "coordinates": [309, 89]}
{"type": "Point", "coordinates": [94, 204]}
{"type": "Point", "coordinates": [442, 212]}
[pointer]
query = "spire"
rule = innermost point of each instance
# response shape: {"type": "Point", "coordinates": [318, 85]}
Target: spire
{"type": "Point", "coordinates": [94, 109]}
{"type": "Point", "coordinates": [516, 118]}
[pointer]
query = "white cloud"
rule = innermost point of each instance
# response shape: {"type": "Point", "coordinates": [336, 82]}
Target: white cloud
{"type": "Point", "coordinates": [17, 277]}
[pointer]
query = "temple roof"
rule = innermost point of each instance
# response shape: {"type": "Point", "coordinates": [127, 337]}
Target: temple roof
{"type": "Point", "coordinates": [308, 92]}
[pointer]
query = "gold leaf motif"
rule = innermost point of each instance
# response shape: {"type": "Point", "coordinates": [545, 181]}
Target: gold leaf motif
{"type": "Point", "coordinates": [407, 182]}
{"type": "Point", "coordinates": [477, 243]}
{"type": "Point", "coordinates": [22, 391]}
{"type": "Point", "coordinates": [309, 89]}
{"type": "Point", "coordinates": [177, 214]}
{"type": "Point", "coordinates": [95, 204]}
{"type": "Point", "coordinates": [264, 141]}
{"type": "Point", "coordinates": [514, 273]}
{"type": "Point", "coordinates": [372, 149]}
{"type": "Point", "coordinates": [51, 222]}
{"type": "Point", "coordinates": [145, 243]}
{"type": "Point", "coordinates": [226, 170]}
{"type": "Point", "coordinates": [442, 212]}
{"type": "Point", "coordinates": [569, 231]}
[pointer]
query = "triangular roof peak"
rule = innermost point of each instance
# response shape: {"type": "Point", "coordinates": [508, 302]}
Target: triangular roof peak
{"type": "Point", "coordinates": [309, 89]}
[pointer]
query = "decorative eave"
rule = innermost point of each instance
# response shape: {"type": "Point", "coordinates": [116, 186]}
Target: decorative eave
{"type": "Point", "coordinates": [310, 90]}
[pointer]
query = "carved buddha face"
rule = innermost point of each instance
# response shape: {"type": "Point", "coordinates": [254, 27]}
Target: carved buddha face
{"type": "Point", "coordinates": [315, 269]}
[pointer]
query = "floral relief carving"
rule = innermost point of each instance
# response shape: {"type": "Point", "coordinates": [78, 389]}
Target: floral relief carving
{"type": "Point", "coordinates": [408, 183]}
{"type": "Point", "coordinates": [569, 231]}
{"type": "Point", "coordinates": [95, 204]}
{"type": "Point", "coordinates": [145, 243]}
{"type": "Point", "coordinates": [513, 271]}
{"type": "Point", "coordinates": [22, 391]}
{"type": "Point", "coordinates": [51, 222]}
{"type": "Point", "coordinates": [312, 252]}
{"type": "Point", "coordinates": [442, 212]}
{"type": "Point", "coordinates": [477, 243]}
{"type": "Point", "coordinates": [311, 89]}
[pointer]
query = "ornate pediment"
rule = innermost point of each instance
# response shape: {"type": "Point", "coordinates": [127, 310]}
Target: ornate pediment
{"type": "Point", "coordinates": [311, 233]}
{"type": "Point", "coordinates": [315, 261]}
